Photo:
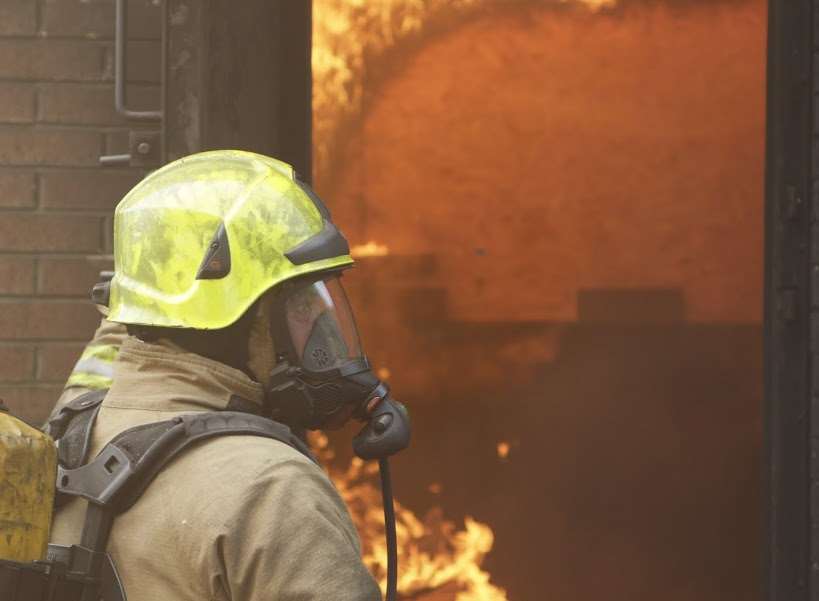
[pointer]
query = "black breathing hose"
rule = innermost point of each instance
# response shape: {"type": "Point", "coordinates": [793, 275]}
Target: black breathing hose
{"type": "Point", "coordinates": [386, 433]}
{"type": "Point", "coordinates": [389, 528]}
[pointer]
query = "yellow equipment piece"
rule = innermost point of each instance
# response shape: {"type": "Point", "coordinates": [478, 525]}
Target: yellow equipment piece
{"type": "Point", "coordinates": [28, 473]}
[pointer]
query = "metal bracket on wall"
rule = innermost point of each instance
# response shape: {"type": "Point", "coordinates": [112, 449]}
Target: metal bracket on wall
{"type": "Point", "coordinates": [144, 150]}
{"type": "Point", "coordinates": [145, 146]}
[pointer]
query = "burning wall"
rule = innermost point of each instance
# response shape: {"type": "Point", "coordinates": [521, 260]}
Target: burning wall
{"type": "Point", "coordinates": [566, 198]}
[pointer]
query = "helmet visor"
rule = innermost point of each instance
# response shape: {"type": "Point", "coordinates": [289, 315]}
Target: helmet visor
{"type": "Point", "coordinates": [321, 325]}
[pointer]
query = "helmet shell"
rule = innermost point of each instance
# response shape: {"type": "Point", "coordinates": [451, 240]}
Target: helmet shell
{"type": "Point", "coordinates": [165, 226]}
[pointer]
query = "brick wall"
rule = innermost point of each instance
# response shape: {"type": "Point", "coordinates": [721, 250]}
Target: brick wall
{"type": "Point", "coordinates": [56, 118]}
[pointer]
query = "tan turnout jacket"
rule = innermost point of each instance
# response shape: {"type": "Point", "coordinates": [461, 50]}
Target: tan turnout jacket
{"type": "Point", "coordinates": [236, 518]}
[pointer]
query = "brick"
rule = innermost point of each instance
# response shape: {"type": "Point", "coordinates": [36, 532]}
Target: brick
{"type": "Point", "coordinates": [56, 60]}
{"type": "Point", "coordinates": [61, 147]}
{"type": "Point", "coordinates": [70, 277]}
{"type": "Point", "coordinates": [75, 189]}
{"type": "Point", "coordinates": [144, 62]}
{"type": "Point", "coordinates": [116, 142]}
{"type": "Point", "coordinates": [95, 19]}
{"type": "Point", "coordinates": [31, 403]}
{"type": "Point", "coordinates": [55, 361]}
{"type": "Point", "coordinates": [16, 103]}
{"type": "Point", "coordinates": [16, 275]}
{"type": "Point", "coordinates": [18, 17]}
{"type": "Point", "coordinates": [17, 189]}
{"type": "Point", "coordinates": [90, 104]}
{"type": "Point", "coordinates": [22, 232]}
{"type": "Point", "coordinates": [43, 320]}
{"type": "Point", "coordinates": [16, 363]}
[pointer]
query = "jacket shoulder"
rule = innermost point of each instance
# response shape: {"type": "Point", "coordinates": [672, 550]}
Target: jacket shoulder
{"type": "Point", "coordinates": [236, 460]}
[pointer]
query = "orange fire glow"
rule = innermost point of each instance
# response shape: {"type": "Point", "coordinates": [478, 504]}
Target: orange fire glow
{"type": "Point", "coordinates": [433, 554]}
{"type": "Point", "coordinates": [370, 249]}
{"type": "Point", "coordinates": [349, 35]}
{"type": "Point", "coordinates": [503, 450]}
{"type": "Point", "coordinates": [676, 159]}
{"type": "Point", "coordinates": [595, 4]}
{"type": "Point", "coordinates": [350, 38]}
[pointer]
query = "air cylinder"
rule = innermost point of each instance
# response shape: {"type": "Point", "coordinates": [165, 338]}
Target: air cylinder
{"type": "Point", "coordinates": [28, 472]}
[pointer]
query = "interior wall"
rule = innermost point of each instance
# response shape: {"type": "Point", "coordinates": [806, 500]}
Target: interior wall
{"type": "Point", "coordinates": [572, 201]}
{"type": "Point", "coordinates": [543, 152]}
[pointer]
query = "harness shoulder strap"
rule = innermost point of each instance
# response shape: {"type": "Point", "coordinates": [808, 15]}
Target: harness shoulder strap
{"type": "Point", "coordinates": [72, 426]}
{"type": "Point", "coordinates": [127, 465]}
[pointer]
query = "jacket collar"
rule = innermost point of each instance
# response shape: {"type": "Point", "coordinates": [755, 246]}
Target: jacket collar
{"type": "Point", "coordinates": [164, 377]}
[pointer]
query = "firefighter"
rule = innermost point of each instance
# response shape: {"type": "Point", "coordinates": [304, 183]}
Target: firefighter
{"type": "Point", "coordinates": [227, 278]}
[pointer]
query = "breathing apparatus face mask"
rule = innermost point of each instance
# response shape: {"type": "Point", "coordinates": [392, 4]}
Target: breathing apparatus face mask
{"type": "Point", "coordinates": [321, 326]}
{"type": "Point", "coordinates": [321, 377]}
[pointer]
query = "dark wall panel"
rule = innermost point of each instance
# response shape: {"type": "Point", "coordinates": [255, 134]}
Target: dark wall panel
{"type": "Point", "coordinates": [792, 282]}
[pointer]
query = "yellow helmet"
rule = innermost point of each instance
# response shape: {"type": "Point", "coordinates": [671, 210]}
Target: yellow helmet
{"type": "Point", "coordinates": [198, 241]}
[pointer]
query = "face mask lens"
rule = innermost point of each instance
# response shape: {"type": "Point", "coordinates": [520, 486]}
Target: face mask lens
{"type": "Point", "coordinates": [321, 325]}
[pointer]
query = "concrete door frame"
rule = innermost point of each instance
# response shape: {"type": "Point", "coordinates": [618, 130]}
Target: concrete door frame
{"type": "Point", "coordinates": [238, 77]}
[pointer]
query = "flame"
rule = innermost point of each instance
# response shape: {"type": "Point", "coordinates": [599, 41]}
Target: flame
{"type": "Point", "coordinates": [594, 5]}
{"type": "Point", "coordinates": [503, 450]}
{"type": "Point", "coordinates": [371, 249]}
{"type": "Point", "coordinates": [346, 35]}
{"type": "Point", "coordinates": [350, 35]}
{"type": "Point", "coordinates": [432, 553]}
